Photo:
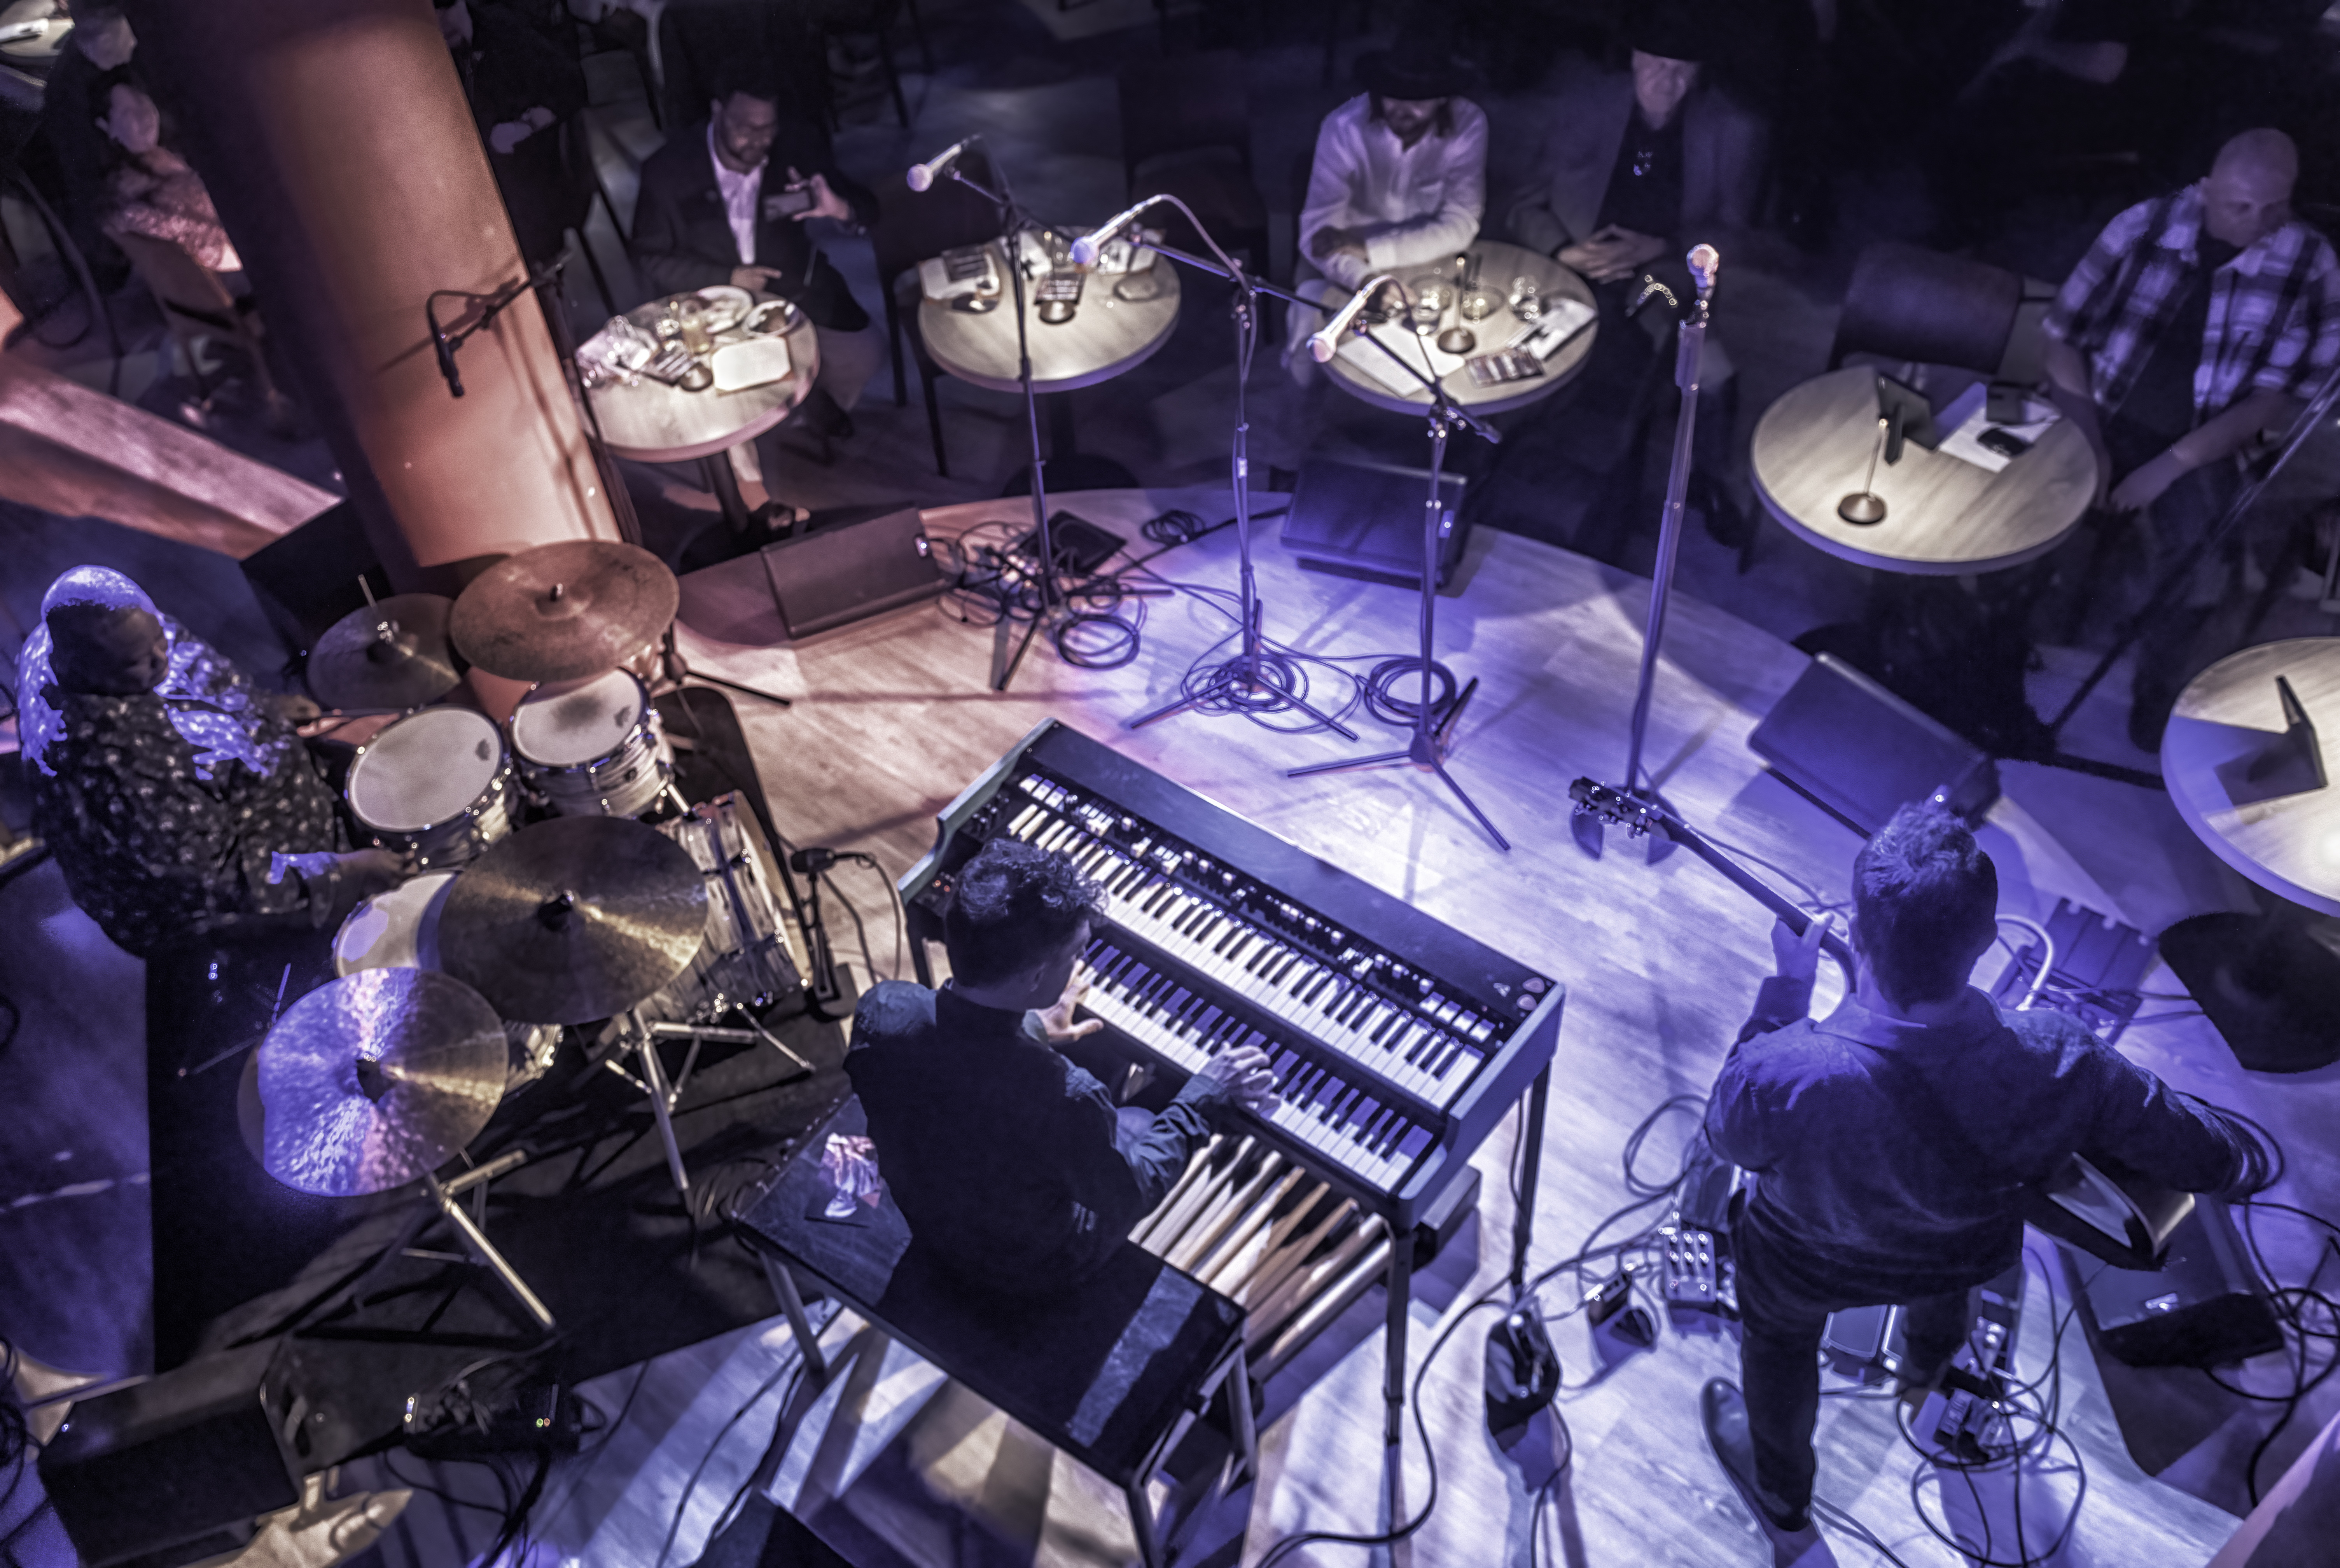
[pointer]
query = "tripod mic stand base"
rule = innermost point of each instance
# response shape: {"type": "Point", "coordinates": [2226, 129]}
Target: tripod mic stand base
{"type": "Point", "coordinates": [1862, 507]}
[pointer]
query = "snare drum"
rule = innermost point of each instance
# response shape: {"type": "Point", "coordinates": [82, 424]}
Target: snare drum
{"type": "Point", "coordinates": [744, 961]}
{"type": "Point", "coordinates": [399, 930]}
{"type": "Point", "coordinates": [594, 747]}
{"type": "Point", "coordinates": [437, 782]}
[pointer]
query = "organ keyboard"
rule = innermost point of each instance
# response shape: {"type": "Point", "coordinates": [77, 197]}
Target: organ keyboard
{"type": "Point", "coordinates": [1397, 1041]}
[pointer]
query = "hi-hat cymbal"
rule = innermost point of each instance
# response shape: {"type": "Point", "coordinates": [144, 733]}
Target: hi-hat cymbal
{"type": "Point", "coordinates": [375, 1079]}
{"type": "Point", "coordinates": [573, 919]}
{"type": "Point", "coordinates": [559, 612]}
{"type": "Point", "coordinates": [394, 654]}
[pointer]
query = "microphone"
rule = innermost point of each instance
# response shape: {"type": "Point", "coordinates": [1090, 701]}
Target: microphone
{"type": "Point", "coordinates": [1705, 261]}
{"type": "Point", "coordinates": [1086, 248]}
{"type": "Point", "coordinates": [922, 177]}
{"type": "Point", "coordinates": [1325, 344]}
{"type": "Point", "coordinates": [446, 359]}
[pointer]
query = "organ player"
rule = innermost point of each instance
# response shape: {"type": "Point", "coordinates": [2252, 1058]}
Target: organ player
{"type": "Point", "coordinates": [179, 799]}
{"type": "Point", "coordinates": [1886, 1140]}
{"type": "Point", "coordinates": [1010, 1162]}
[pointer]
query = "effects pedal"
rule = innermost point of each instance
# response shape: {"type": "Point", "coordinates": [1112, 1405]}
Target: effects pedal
{"type": "Point", "coordinates": [1695, 1279]}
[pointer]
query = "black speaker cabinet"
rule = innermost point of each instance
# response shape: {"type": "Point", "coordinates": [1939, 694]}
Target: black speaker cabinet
{"type": "Point", "coordinates": [2202, 1307]}
{"type": "Point", "coordinates": [188, 1456]}
{"type": "Point", "coordinates": [1364, 520]}
{"type": "Point", "coordinates": [1861, 753]}
{"type": "Point", "coordinates": [839, 574]}
{"type": "Point", "coordinates": [308, 579]}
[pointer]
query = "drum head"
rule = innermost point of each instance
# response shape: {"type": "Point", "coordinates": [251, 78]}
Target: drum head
{"type": "Point", "coordinates": [394, 930]}
{"type": "Point", "coordinates": [427, 769]}
{"type": "Point", "coordinates": [563, 723]}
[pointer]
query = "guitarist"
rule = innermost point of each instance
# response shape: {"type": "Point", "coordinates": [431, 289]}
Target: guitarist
{"type": "Point", "coordinates": [1885, 1143]}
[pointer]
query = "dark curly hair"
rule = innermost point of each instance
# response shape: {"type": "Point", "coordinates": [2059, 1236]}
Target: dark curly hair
{"type": "Point", "coordinates": [1925, 897]}
{"type": "Point", "coordinates": [1012, 906]}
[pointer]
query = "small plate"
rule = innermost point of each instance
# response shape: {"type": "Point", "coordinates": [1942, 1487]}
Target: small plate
{"type": "Point", "coordinates": [774, 317]}
{"type": "Point", "coordinates": [726, 306]}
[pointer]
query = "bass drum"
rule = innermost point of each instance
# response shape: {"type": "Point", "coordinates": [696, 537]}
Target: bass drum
{"type": "Point", "coordinates": [399, 930]}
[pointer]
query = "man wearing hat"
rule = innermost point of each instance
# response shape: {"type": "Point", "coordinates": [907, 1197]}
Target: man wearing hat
{"type": "Point", "coordinates": [1400, 178]}
{"type": "Point", "coordinates": [1637, 166]}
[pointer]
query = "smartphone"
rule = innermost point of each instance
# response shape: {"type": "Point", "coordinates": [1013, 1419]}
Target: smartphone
{"type": "Point", "coordinates": [2006, 443]}
{"type": "Point", "coordinates": [788, 201]}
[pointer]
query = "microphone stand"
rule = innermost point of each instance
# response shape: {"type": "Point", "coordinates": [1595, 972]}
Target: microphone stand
{"type": "Point", "coordinates": [1689, 349]}
{"type": "Point", "coordinates": [1427, 749]}
{"type": "Point", "coordinates": [1013, 222]}
{"type": "Point", "coordinates": [1254, 680]}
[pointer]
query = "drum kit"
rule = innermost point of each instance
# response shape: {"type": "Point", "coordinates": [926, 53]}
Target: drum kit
{"type": "Point", "coordinates": [563, 881]}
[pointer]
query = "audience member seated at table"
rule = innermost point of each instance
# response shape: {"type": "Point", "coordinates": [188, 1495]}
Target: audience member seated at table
{"type": "Point", "coordinates": [150, 190]}
{"type": "Point", "coordinates": [524, 96]}
{"type": "Point", "coordinates": [1399, 180]}
{"type": "Point", "coordinates": [1884, 1144]}
{"type": "Point", "coordinates": [715, 207]}
{"type": "Point", "coordinates": [1007, 1160]}
{"type": "Point", "coordinates": [73, 103]}
{"type": "Point", "coordinates": [2196, 323]}
{"type": "Point", "coordinates": [180, 799]}
{"type": "Point", "coordinates": [1637, 167]}
{"type": "Point", "coordinates": [2055, 84]}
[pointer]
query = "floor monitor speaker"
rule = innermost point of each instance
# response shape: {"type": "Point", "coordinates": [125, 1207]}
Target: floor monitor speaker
{"type": "Point", "coordinates": [2204, 1306]}
{"type": "Point", "coordinates": [837, 575]}
{"type": "Point", "coordinates": [1364, 520]}
{"type": "Point", "coordinates": [1862, 753]}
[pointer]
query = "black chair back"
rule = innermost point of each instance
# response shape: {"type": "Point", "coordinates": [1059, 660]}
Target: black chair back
{"type": "Point", "coordinates": [1183, 105]}
{"type": "Point", "coordinates": [913, 225]}
{"type": "Point", "coordinates": [1910, 304]}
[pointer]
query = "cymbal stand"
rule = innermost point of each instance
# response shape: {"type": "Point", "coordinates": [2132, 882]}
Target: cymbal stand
{"type": "Point", "coordinates": [1689, 347]}
{"type": "Point", "coordinates": [1254, 680]}
{"type": "Point", "coordinates": [1013, 220]}
{"type": "Point", "coordinates": [1431, 728]}
{"type": "Point", "coordinates": [468, 1228]}
{"type": "Point", "coordinates": [643, 1038]}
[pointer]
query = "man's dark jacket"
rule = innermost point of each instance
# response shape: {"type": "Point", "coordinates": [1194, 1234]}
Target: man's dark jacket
{"type": "Point", "coordinates": [682, 236]}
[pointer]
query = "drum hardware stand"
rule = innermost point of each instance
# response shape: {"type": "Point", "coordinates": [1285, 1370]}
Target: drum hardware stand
{"type": "Point", "coordinates": [1690, 346]}
{"type": "Point", "coordinates": [564, 349]}
{"type": "Point", "coordinates": [1253, 681]}
{"type": "Point", "coordinates": [468, 1228]}
{"type": "Point", "coordinates": [1431, 728]}
{"type": "Point", "coordinates": [643, 1039]}
{"type": "Point", "coordinates": [677, 671]}
{"type": "Point", "coordinates": [1013, 220]}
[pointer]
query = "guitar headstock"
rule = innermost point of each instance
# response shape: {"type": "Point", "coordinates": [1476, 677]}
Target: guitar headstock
{"type": "Point", "coordinates": [1615, 806]}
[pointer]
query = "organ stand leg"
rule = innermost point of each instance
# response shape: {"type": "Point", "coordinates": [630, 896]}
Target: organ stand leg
{"type": "Point", "coordinates": [1401, 1300]}
{"type": "Point", "coordinates": [1531, 1157]}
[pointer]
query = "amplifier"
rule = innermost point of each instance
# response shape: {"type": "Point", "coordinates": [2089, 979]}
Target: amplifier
{"type": "Point", "coordinates": [2204, 1306]}
{"type": "Point", "coordinates": [1364, 520]}
{"type": "Point", "coordinates": [837, 575]}
{"type": "Point", "coordinates": [187, 1459]}
{"type": "Point", "coordinates": [1861, 753]}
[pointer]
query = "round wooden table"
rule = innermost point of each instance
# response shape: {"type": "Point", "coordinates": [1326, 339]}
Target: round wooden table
{"type": "Point", "coordinates": [651, 421]}
{"type": "Point", "coordinates": [2231, 714]}
{"type": "Point", "coordinates": [1944, 517]}
{"type": "Point", "coordinates": [1106, 336]}
{"type": "Point", "coordinates": [1498, 264]}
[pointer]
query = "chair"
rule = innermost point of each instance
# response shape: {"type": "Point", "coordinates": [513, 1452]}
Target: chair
{"type": "Point", "coordinates": [1910, 303]}
{"type": "Point", "coordinates": [877, 19]}
{"type": "Point", "coordinates": [1186, 131]}
{"type": "Point", "coordinates": [1111, 1372]}
{"type": "Point", "coordinates": [197, 305]}
{"type": "Point", "coordinates": [911, 226]}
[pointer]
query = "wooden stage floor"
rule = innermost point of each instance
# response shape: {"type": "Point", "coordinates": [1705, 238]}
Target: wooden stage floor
{"type": "Point", "coordinates": [893, 716]}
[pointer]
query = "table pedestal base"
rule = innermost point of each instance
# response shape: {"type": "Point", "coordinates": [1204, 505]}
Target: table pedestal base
{"type": "Point", "coordinates": [2269, 987]}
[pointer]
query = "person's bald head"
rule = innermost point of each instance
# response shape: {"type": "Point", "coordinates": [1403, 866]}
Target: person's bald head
{"type": "Point", "coordinates": [2248, 196]}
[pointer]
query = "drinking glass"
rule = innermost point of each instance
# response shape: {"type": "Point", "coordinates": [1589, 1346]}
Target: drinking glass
{"type": "Point", "coordinates": [1432, 292]}
{"type": "Point", "coordinates": [1527, 299]}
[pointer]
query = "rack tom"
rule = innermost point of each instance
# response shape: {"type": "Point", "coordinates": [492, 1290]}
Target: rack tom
{"type": "Point", "coordinates": [436, 783]}
{"type": "Point", "coordinates": [592, 747]}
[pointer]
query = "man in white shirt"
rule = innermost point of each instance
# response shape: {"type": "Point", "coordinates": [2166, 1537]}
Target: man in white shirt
{"type": "Point", "coordinates": [1400, 181]}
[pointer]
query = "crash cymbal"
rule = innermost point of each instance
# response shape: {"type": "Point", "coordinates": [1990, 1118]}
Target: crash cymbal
{"type": "Point", "coordinates": [575, 918]}
{"type": "Point", "coordinates": [559, 612]}
{"type": "Point", "coordinates": [394, 654]}
{"type": "Point", "coordinates": [375, 1079]}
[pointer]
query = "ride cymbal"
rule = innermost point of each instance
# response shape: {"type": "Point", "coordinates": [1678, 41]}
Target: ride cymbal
{"type": "Point", "coordinates": [562, 611]}
{"type": "Point", "coordinates": [573, 919]}
{"type": "Point", "coordinates": [376, 1079]}
{"type": "Point", "coordinates": [394, 654]}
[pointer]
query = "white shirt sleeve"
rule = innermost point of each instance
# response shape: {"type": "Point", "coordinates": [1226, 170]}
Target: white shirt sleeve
{"type": "Point", "coordinates": [1338, 167]}
{"type": "Point", "coordinates": [1461, 196]}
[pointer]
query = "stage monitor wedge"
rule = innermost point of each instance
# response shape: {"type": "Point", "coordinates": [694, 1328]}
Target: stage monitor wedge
{"type": "Point", "coordinates": [846, 572]}
{"type": "Point", "coordinates": [1364, 520]}
{"type": "Point", "coordinates": [1861, 753]}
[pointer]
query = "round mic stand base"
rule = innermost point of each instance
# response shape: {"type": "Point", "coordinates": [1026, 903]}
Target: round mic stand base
{"type": "Point", "coordinates": [1861, 507]}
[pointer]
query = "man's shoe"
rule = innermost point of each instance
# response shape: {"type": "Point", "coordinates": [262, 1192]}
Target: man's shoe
{"type": "Point", "coordinates": [1723, 1410]}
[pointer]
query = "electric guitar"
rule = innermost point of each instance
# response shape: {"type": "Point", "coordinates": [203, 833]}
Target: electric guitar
{"type": "Point", "coordinates": [2106, 1210]}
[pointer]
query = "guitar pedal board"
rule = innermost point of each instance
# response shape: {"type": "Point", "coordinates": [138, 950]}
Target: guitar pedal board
{"type": "Point", "coordinates": [1696, 1279]}
{"type": "Point", "coordinates": [2099, 965]}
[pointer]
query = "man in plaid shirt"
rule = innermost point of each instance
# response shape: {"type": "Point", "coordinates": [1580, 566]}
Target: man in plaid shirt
{"type": "Point", "coordinates": [2196, 322]}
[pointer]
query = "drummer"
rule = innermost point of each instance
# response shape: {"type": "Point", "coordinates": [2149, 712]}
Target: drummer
{"type": "Point", "coordinates": [179, 799]}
